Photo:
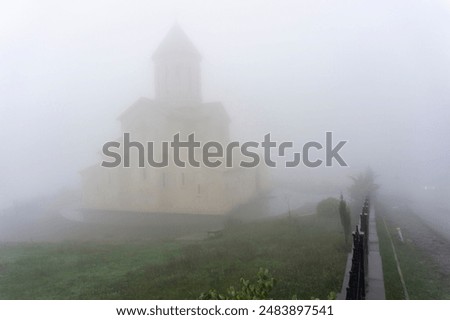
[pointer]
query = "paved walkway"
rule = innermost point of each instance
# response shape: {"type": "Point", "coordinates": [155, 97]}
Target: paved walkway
{"type": "Point", "coordinates": [375, 284]}
{"type": "Point", "coordinates": [375, 289]}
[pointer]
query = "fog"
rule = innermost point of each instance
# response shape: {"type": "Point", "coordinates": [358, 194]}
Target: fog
{"type": "Point", "coordinates": [376, 74]}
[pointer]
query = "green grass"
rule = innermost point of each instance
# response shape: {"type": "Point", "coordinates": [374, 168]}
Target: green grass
{"type": "Point", "coordinates": [306, 256]}
{"type": "Point", "coordinates": [422, 278]}
{"type": "Point", "coordinates": [72, 270]}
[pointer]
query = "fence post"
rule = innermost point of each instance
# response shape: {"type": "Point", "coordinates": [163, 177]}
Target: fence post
{"type": "Point", "coordinates": [364, 221]}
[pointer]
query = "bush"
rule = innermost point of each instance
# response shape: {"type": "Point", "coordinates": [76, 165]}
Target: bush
{"type": "Point", "coordinates": [328, 207]}
{"type": "Point", "coordinates": [258, 290]}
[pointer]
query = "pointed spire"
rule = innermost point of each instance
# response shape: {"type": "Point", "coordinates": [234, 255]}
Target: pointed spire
{"type": "Point", "coordinates": [176, 42]}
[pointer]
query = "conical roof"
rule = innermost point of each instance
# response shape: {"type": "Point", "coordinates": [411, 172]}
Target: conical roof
{"type": "Point", "coordinates": [176, 42]}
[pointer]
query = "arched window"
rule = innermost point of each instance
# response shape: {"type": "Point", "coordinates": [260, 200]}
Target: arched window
{"type": "Point", "coordinates": [164, 180]}
{"type": "Point", "coordinates": [189, 81]}
{"type": "Point", "coordinates": [166, 79]}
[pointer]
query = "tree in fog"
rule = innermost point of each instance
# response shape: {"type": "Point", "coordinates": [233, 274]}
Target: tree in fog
{"type": "Point", "coordinates": [363, 186]}
{"type": "Point", "coordinates": [344, 213]}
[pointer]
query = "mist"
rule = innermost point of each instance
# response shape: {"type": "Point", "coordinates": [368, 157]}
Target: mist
{"type": "Point", "coordinates": [375, 74]}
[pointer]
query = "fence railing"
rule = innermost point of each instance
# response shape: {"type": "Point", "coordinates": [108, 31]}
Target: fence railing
{"type": "Point", "coordinates": [356, 289]}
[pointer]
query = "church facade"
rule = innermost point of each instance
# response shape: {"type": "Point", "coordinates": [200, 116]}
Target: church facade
{"type": "Point", "coordinates": [176, 108]}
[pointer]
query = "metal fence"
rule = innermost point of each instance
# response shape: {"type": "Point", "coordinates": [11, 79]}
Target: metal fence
{"type": "Point", "coordinates": [356, 289]}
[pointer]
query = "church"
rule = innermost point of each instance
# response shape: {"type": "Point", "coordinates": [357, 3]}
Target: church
{"type": "Point", "coordinates": [176, 108]}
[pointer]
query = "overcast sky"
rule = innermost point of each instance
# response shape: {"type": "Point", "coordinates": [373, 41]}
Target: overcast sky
{"type": "Point", "coordinates": [377, 73]}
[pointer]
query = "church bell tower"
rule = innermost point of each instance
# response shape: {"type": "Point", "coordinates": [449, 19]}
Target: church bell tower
{"type": "Point", "coordinates": [177, 69]}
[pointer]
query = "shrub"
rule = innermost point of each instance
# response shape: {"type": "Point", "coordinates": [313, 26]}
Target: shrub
{"type": "Point", "coordinates": [328, 207]}
{"type": "Point", "coordinates": [344, 213]}
{"type": "Point", "coordinates": [248, 291]}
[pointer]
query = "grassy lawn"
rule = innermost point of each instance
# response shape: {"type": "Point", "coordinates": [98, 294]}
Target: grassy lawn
{"type": "Point", "coordinates": [422, 277]}
{"type": "Point", "coordinates": [72, 270]}
{"type": "Point", "coordinates": [305, 255]}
